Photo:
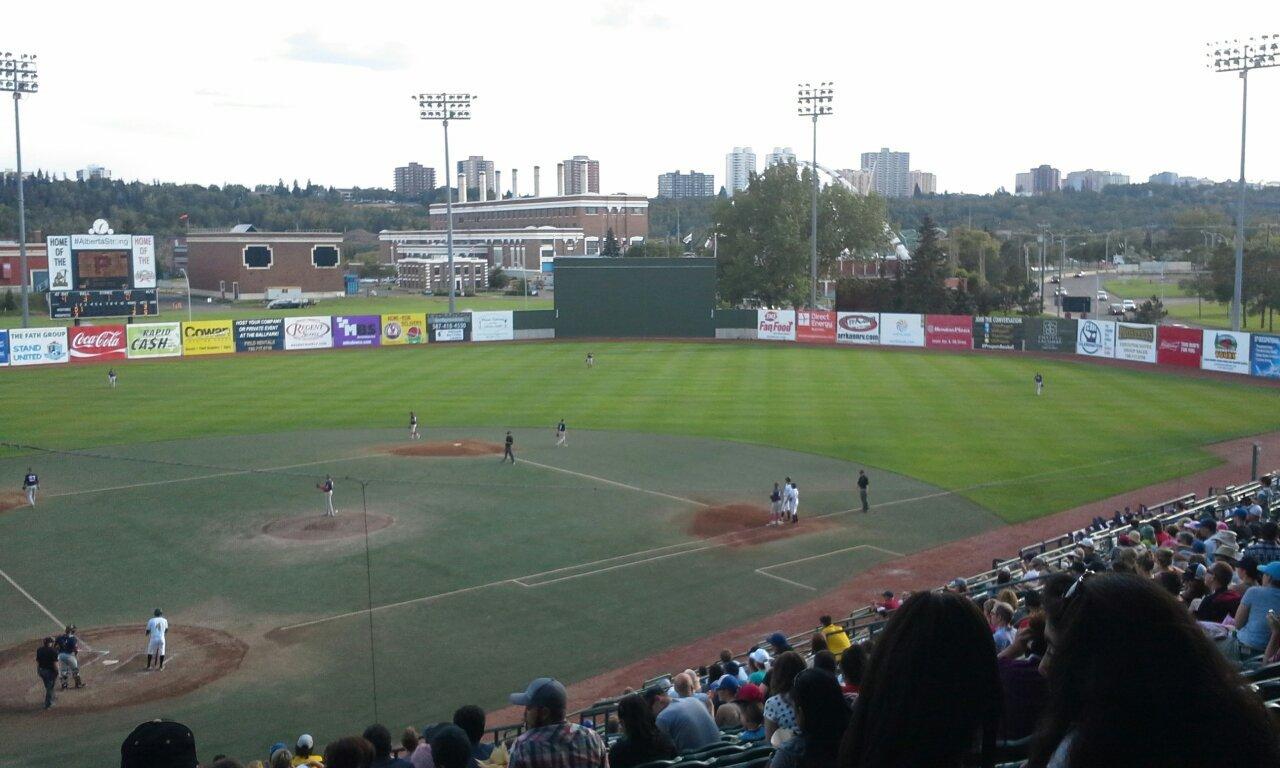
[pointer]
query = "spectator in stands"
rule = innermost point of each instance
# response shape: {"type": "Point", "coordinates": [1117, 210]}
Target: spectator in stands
{"type": "Point", "coordinates": [818, 642]}
{"type": "Point", "coordinates": [1265, 549]}
{"type": "Point", "coordinates": [348, 752]}
{"type": "Point", "coordinates": [470, 719]}
{"type": "Point", "coordinates": [853, 665]}
{"type": "Point", "coordinates": [822, 716]}
{"type": "Point", "coordinates": [281, 757]}
{"type": "Point", "coordinates": [779, 643]}
{"type": "Point", "coordinates": [685, 686]}
{"type": "Point", "coordinates": [1146, 564]}
{"type": "Point", "coordinates": [757, 665]}
{"type": "Point", "coordinates": [779, 711]}
{"type": "Point", "coordinates": [725, 691]}
{"type": "Point", "coordinates": [930, 691]}
{"type": "Point", "coordinates": [1038, 567]}
{"type": "Point", "coordinates": [421, 757]}
{"type": "Point", "coordinates": [1124, 560]}
{"type": "Point", "coordinates": [825, 661]}
{"type": "Point", "coordinates": [378, 735]}
{"type": "Point", "coordinates": [303, 752]}
{"type": "Point", "coordinates": [1024, 688]}
{"type": "Point", "coordinates": [685, 721]}
{"type": "Point", "coordinates": [1252, 631]}
{"type": "Point", "coordinates": [732, 667]}
{"type": "Point", "coordinates": [1147, 535]}
{"type": "Point", "coordinates": [1247, 574]}
{"type": "Point", "coordinates": [1185, 546]}
{"type": "Point", "coordinates": [1102, 696]}
{"type": "Point", "coordinates": [409, 741]}
{"type": "Point", "coordinates": [550, 742]}
{"type": "Point", "coordinates": [1166, 536]}
{"type": "Point", "coordinates": [1272, 653]}
{"type": "Point", "coordinates": [1221, 601]}
{"type": "Point", "coordinates": [1170, 582]}
{"type": "Point", "coordinates": [750, 703]}
{"type": "Point", "coordinates": [227, 762]}
{"type": "Point", "coordinates": [1002, 633]}
{"type": "Point", "coordinates": [641, 740]}
{"type": "Point", "coordinates": [451, 748]}
{"type": "Point", "coordinates": [886, 603]}
{"type": "Point", "coordinates": [959, 586]}
{"type": "Point", "coordinates": [1164, 562]}
{"type": "Point", "coordinates": [837, 639]}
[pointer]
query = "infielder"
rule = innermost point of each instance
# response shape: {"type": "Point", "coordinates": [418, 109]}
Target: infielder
{"type": "Point", "coordinates": [561, 435]}
{"type": "Point", "coordinates": [68, 646]}
{"type": "Point", "coordinates": [795, 502]}
{"type": "Point", "coordinates": [775, 506]}
{"type": "Point", "coordinates": [507, 452]}
{"type": "Point", "coordinates": [413, 426]}
{"type": "Point", "coordinates": [31, 484]}
{"type": "Point", "coordinates": [327, 489]}
{"type": "Point", "coordinates": [1039, 383]}
{"type": "Point", "coordinates": [111, 377]}
{"type": "Point", "coordinates": [786, 500]}
{"type": "Point", "coordinates": [157, 626]}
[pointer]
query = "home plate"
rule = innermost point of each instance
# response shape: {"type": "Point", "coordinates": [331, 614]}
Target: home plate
{"type": "Point", "coordinates": [457, 445]}
{"type": "Point", "coordinates": [110, 662]}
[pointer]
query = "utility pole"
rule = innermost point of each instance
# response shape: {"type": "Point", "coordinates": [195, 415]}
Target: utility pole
{"type": "Point", "coordinates": [445, 107]}
{"type": "Point", "coordinates": [814, 103]}
{"type": "Point", "coordinates": [18, 74]}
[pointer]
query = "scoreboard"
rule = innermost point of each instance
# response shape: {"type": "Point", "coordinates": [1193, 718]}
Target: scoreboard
{"type": "Point", "coordinates": [102, 274]}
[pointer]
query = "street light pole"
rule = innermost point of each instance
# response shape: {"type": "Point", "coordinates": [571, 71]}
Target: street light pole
{"type": "Point", "coordinates": [1234, 56]}
{"type": "Point", "coordinates": [445, 107]}
{"type": "Point", "coordinates": [187, 277]}
{"type": "Point", "coordinates": [18, 74]}
{"type": "Point", "coordinates": [814, 103]}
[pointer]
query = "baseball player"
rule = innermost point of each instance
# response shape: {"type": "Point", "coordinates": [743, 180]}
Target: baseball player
{"type": "Point", "coordinates": [157, 626]}
{"type": "Point", "coordinates": [795, 502]}
{"type": "Point", "coordinates": [111, 377]}
{"type": "Point", "coordinates": [1039, 383]}
{"type": "Point", "coordinates": [413, 426]}
{"type": "Point", "coordinates": [327, 489]}
{"type": "Point", "coordinates": [507, 452]}
{"type": "Point", "coordinates": [775, 506]}
{"type": "Point", "coordinates": [31, 484]}
{"type": "Point", "coordinates": [561, 435]}
{"type": "Point", "coordinates": [68, 646]}
{"type": "Point", "coordinates": [786, 500]}
{"type": "Point", "coordinates": [591, 360]}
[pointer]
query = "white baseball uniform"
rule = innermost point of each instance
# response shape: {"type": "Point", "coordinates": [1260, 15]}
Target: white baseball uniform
{"type": "Point", "coordinates": [156, 629]}
{"type": "Point", "coordinates": [795, 502]}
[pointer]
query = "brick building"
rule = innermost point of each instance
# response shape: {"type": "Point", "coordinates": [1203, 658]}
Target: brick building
{"type": "Point", "coordinates": [244, 263]}
{"type": "Point", "coordinates": [11, 265]}
{"type": "Point", "coordinates": [525, 234]}
{"type": "Point", "coordinates": [432, 275]}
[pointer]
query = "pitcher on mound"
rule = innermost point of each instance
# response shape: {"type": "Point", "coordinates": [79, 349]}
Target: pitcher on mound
{"type": "Point", "coordinates": [327, 489]}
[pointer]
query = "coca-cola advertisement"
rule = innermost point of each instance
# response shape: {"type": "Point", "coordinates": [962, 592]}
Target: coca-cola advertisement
{"type": "Point", "coordinates": [92, 343]}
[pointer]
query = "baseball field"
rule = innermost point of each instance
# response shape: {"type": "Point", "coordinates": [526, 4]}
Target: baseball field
{"type": "Point", "coordinates": [192, 487]}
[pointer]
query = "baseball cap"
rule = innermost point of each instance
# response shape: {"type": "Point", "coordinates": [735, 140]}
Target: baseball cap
{"type": "Point", "coordinates": [778, 640]}
{"type": "Point", "coordinates": [1087, 542]}
{"type": "Point", "coordinates": [651, 693]}
{"type": "Point", "coordinates": [1194, 572]}
{"type": "Point", "coordinates": [279, 746]}
{"type": "Point", "coordinates": [959, 583]}
{"type": "Point", "coordinates": [749, 692]}
{"type": "Point", "coordinates": [305, 741]}
{"type": "Point", "coordinates": [728, 682]}
{"type": "Point", "coordinates": [542, 692]}
{"type": "Point", "coordinates": [451, 747]}
{"type": "Point", "coordinates": [886, 593]}
{"type": "Point", "coordinates": [1272, 569]}
{"type": "Point", "coordinates": [159, 744]}
{"type": "Point", "coordinates": [760, 656]}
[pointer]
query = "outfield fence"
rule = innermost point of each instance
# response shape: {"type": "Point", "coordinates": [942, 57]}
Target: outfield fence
{"type": "Point", "coordinates": [1171, 346]}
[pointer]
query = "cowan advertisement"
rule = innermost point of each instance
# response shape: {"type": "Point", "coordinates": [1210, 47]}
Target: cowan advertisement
{"type": "Point", "coordinates": [1225, 351]}
{"type": "Point", "coordinates": [493, 326]}
{"type": "Point", "coordinates": [208, 337]}
{"type": "Point", "coordinates": [1097, 338]}
{"type": "Point", "coordinates": [310, 332]}
{"type": "Point", "coordinates": [776, 324]}
{"type": "Point", "coordinates": [37, 346]}
{"type": "Point", "coordinates": [92, 343]}
{"type": "Point", "coordinates": [897, 330]}
{"type": "Point", "coordinates": [857, 328]}
{"type": "Point", "coordinates": [1136, 342]}
{"type": "Point", "coordinates": [154, 340]}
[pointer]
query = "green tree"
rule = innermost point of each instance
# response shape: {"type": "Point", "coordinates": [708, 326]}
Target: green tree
{"type": "Point", "coordinates": [498, 278]}
{"type": "Point", "coordinates": [923, 281]}
{"type": "Point", "coordinates": [610, 247]}
{"type": "Point", "coordinates": [640, 250]}
{"type": "Point", "coordinates": [9, 304]}
{"type": "Point", "coordinates": [1151, 311]}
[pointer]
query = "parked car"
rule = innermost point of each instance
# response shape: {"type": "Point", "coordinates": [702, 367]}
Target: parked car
{"type": "Point", "coordinates": [1129, 305]}
{"type": "Point", "coordinates": [289, 302]}
{"type": "Point", "coordinates": [1117, 309]}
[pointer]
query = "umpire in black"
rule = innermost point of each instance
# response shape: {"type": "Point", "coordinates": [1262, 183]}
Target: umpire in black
{"type": "Point", "coordinates": [47, 668]}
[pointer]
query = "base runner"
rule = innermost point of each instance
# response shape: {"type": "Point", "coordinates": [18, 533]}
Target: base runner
{"type": "Point", "coordinates": [157, 626]}
{"type": "Point", "coordinates": [326, 488]}
{"type": "Point", "coordinates": [31, 485]}
{"type": "Point", "coordinates": [775, 506]}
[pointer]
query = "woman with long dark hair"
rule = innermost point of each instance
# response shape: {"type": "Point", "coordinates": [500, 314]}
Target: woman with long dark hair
{"type": "Point", "coordinates": [1126, 658]}
{"type": "Point", "coordinates": [641, 740]}
{"type": "Point", "coordinates": [779, 709]}
{"type": "Point", "coordinates": [931, 692]}
{"type": "Point", "coordinates": [822, 715]}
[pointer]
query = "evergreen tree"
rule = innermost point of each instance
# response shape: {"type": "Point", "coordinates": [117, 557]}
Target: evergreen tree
{"type": "Point", "coordinates": [9, 303]}
{"type": "Point", "coordinates": [923, 286]}
{"type": "Point", "coordinates": [610, 248]}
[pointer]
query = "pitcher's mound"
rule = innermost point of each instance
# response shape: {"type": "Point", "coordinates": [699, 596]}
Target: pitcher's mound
{"type": "Point", "coordinates": [449, 448]}
{"type": "Point", "coordinates": [14, 499]}
{"type": "Point", "coordinates": [743, 524]}
{"type": "Point", "coordinates": [321, 528]}
{"type": "Point", "coordinates": [114, 671]}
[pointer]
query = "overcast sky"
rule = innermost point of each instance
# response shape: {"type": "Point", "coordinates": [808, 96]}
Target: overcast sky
{"type": "Point", "coordinates": [248, 92]}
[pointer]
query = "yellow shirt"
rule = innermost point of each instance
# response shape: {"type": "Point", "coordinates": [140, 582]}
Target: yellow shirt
{"type": "Point", "coordinates": [837, 640]}
{"type": "Point", "coordinates": [312, 759]}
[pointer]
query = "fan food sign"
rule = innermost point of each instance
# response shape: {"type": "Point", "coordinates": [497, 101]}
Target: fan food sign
{"type": "Point", "coordinates": [776, 324]}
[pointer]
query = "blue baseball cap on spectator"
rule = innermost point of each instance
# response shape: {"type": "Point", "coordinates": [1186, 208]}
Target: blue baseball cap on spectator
{"type": "Point", "coordinates": [542, 692]}
{"type": "Point", "coordinates": [728, 682]}
{"type": "Point", "coordinates": [1272, 569]}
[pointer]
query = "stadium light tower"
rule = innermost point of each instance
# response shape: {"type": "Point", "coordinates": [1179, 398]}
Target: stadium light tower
{"type": "Point", "coordinates": [445, 107]}
{"type": "Point", "coordinates": [1237, 56]}
{"type": "Point", "coordinates": [18, 74]}
{"type": "Point", "coordinates": [814, 103]}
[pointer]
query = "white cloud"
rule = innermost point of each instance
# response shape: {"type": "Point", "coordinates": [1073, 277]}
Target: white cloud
{"type": "Point", "coordinates": [308, 47]}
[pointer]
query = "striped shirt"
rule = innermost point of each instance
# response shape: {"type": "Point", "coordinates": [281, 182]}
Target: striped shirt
{"type": "Point", "coordinates": [1263, 551]}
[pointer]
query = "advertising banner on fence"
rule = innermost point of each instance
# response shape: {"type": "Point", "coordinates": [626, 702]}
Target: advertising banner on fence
{"type": "Point", "coordinates": [404, 329]}
{"type": "Point", "coordinates": [1264, 355]}
{"type": "Point", "coordinates": [91, 343]}
{"type": "Point", "coordinates": [1136, 342]}
{"type": "Point", "coordinates": [37, 346]}
{"type": "Point", "coordinates": [948, 331]}
{"type": "Point", "coordinates": [997, 333]}
{"type": "Point", "coordinates": [450, 326]}
{"type": "Point", "coordinates": [264, 334]}
{"type": "Point", "coordinates": [1225, 351]}
{"type": "Point", "coordinates": [776, 324]}
{"type": "Point", "coordinates": [857, 328]}
{"type": "Point", "coordinates": [154, 339]}
{"type": "Point", "coordinates": [357, 330]}
{"type": "Point", "coordinates": [1178, 346]}
{"type": "Point", "coordinates": [815, 325]}
{"type": "Point", "coordinates": [310, 332]}
{"type": "Point", "coordinates": [493, 326]}
{"type": "Point", "coordinates": [4, 347]}
{"type": "Point", "coordinates": [897, 330]}
{"type": "Point", "coordinates": [1050, 334]}
{"type": "Point", "coordinates": [208, 337]}
{"type": "Point", "coordinates": [1096, 338]}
